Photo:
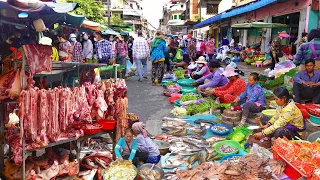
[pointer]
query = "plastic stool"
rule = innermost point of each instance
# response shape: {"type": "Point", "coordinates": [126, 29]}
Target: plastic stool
{"type": "Point", "coordinates": [258, 63]}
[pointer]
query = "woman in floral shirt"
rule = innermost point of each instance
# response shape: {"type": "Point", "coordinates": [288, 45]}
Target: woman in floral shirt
{"type": "Point", "coordinates": [228, 93]}
{"type": "Point", "coordinates": [122, 53]}
{"type": "Point", "coordinates": [287, 122]}
{"type": "Point", "coordinates": [252, 100]}
{"type": "Point", "coordinates": [210, 47]}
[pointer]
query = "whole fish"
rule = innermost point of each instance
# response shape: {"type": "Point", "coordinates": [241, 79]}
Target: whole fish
{"type": "Point", "coordinates": [202, 158]}
{"type": "Point", "coordinates": [198, 121]}
{"type": "Point", "coordinates": [173, 162]}
{"type": "Point", "coordinates": [191, 160]}
{"type": "Point", "coordinates": [209, 150]}
{"type": "Point", "coordinates": [177, 132]}
{"type": "Point", "coordinates": [215, 139]}
{"type": "Point", "coordinates": [211, 157]}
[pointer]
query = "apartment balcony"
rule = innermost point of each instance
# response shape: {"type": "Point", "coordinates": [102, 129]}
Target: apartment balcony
{"type": "Point", "coordinates": [132, 12]}
{"type": "Point", "coordinates": [175, 22]}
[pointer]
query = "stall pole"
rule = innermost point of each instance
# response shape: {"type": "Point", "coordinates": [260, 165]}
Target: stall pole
{"type": "Point", "coordinates": [23, 171]}
{"type": "Point", "coordinates": [108, 3]}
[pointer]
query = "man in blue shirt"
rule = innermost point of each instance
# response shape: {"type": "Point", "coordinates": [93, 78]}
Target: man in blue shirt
{"type": "Point", "coordinates": [306, 85]}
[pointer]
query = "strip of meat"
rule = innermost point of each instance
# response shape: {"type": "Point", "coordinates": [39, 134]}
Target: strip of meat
{"type": "Point", "coordinates": [56, 127]}
{"type": "Point", "coordinates": [33, 113]}
{"type": "Point", "coordinates": [43, 118]}
{"type": "Point", "coordinates": [62, 109]}
{"type": "Point", "coordinates": [51, 105]}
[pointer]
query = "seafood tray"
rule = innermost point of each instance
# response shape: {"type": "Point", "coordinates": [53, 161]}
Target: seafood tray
{"type": "Point", "coordinates": [291, 171]}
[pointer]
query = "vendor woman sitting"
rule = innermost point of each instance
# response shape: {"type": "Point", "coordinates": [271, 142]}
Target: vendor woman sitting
{"type": "Point", "coordinates": [145, 144]}
{"type": "Point", "coordinates": [252, 100]}
{"type": "Point", "coordinates": [229, 92]}
{"type": "Point", "coordinates": [213, 80]}
{"type": "Point", "coordinates": [287, 122]}
{"type": "Point", "coordinates": [202, 69]}
{"type": "Point", "coordinates": [126, 148]}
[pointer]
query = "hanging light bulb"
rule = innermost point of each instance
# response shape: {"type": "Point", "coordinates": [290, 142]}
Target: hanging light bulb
{"type": "Point", "coordinates": [23, 15]}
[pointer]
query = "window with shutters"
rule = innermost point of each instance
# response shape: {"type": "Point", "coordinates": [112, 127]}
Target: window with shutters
{"type": "Point", "coordinates": [212, 9]}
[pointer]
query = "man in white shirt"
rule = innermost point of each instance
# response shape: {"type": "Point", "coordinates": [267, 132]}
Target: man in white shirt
{"type": "Point", "coordinates": [140, 54]}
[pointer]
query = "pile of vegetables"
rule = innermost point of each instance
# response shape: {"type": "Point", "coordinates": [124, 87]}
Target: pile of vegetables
{"type": "Point", "coordinates": [273, 84]}
{"type": "Point", "coordinates": [189, 97]}
{"type": "Point", "coordinates": [171, 83]}
{"type": "Point", "coordinates": [179, 73]}
{"type": "Point", "coordinates": [193, 109]}
{"type": "Point", "coordinates": [239, 134]}
{"type": "Point", "coordinates": [179, 111]}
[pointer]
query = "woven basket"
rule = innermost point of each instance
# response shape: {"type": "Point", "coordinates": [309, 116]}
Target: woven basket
{"type": "Point", "coordinates": [231, 113]}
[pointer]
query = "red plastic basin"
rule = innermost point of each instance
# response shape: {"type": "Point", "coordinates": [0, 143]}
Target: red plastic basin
{"type": "Point", "coordinates": [107, 124]}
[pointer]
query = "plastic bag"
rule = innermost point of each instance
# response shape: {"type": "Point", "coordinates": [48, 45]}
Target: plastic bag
{"type": "Point", "coordinates": [134, 67]}
{"type": "Point", "coordinates": [178, 57]}
{"type": "Point", "coordinates": [129, 65]}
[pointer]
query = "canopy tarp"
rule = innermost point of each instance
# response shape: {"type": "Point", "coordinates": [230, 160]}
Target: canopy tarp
{"type": "Point", "coordinates": [91, 25]}
{"type": "Point", "coordinates": [258, 25]}
{"type": "Point", "coordinates": [64, 18]}
{"type": "Point", "coordinates": [39, 7]}
{"type": "Point", "coordinates": [109, 32]}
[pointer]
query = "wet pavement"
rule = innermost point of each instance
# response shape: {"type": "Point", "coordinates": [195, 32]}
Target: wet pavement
{"type": "Point", "coordinates": [149, 103]}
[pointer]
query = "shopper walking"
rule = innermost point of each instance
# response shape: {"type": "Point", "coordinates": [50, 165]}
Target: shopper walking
{"type": "Point", "coordinates": [130, 45]}
{"type": "Point", "coordinates": [76, 49]}
{"type": "Point", "coordinates": [275, 48]}
{"type": "Point", "coordinates": [210, 48]}
{"type": "Point", "coordinates": [158, 51]}
{"type": "Point", "coordinates": [103, 48]}
{"type": "Point", "coordinates": [201, 47]}
{"type": "Point", "coordinates": [122, 53]}
{"type": "Point", "coordinates": [87, 52]}
{"type": "Point", "coordinates": [140, 54]}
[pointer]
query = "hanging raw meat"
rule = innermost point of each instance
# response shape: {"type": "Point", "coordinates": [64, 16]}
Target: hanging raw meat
{"type": "Point", "coordinates": [121, 116]}
{"type": "Point", "coordinates": [38, 58]}
{"type": "Point", "coordinates": [43, 117]}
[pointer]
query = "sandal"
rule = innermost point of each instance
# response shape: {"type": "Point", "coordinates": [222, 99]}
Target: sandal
{"type": "Point", "coordinates": [153, 84]}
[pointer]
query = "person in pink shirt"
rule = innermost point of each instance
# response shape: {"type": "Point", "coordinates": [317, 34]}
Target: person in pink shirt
{"type": "Point", "coordinates": [202, 69]}
{"type": "Point", "coordinates": [201, 47]}
{"type": "Point", "coordinates": [210, 48]}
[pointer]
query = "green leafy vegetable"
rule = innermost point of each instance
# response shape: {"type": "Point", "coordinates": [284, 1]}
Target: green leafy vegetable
{"type": "Point", "coordinates": [179, 73]}
{"type": "Point", "coordinates": [193, 109]}
{"type": "Point", "coordinates": [189, 97]}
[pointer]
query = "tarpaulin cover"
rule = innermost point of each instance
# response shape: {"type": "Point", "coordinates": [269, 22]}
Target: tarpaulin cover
{"type": "Point", "coordinates": [247, 8]}
{"type": "Point", "coordinates": [41, 8]}
{"type": "Point", "coordinates": [109, 32]}
{"type": "Point", "coordinates": [208, 21]}
{"type": "Point", "coordinates": [91, 25]}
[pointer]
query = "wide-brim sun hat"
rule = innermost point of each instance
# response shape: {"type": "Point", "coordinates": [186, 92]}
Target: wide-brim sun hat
{"type": "Point", "coordinates": [120, 37]}
{"type": "Point", "coordinates": [45, 41]}
{"type": "Point", "coordinates": [229, 71]}
{"type": "Point", "coordinates": [72, 35]}
{"type": "Point", "coordinates": [284, 34]}
{"type": "Point", "coordinates": [201, 60]}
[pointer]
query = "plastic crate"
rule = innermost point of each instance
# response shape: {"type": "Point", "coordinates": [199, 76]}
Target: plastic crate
{"type": "Point", "coordinates": [290, 171]}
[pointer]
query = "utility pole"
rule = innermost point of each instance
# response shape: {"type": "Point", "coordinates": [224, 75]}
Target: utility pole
{"type": "Point", "coordinates": [109, 14]}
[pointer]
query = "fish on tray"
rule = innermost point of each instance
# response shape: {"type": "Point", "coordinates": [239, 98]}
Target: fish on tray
{"type": "Point", "coordinates": [207, 121]}
{"type": "Point", "coordinates": [173, 162]}
{"type": "Point", "coordinates": [177, 132]}
{"type": "Point", "coordinates": [191, 160]}
{"type": "Point", "coordinates": [215, 139]}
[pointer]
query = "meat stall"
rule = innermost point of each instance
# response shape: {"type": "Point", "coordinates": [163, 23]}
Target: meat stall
{"type": "Point", "coordinates": [49, 117]}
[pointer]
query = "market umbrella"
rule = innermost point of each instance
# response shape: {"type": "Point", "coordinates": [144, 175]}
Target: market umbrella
{"type": "Point", "coordinates": [258, 25]}
{"type": "Point", "coordinates": [109, 32]}
{"type": "Point", "coordinates": [91, 25]}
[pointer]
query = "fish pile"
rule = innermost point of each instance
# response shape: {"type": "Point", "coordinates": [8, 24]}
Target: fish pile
{"type": "Point", "coordinates": [227, 149]}
{"type": "Point", "coordinates": [147, 174]}
{"type": "Point", "coordinates": [219, 129]}
{"type": "Point", "coordinates": [277, 167]}
{"type": "Point", "coordinates": [250, 166]}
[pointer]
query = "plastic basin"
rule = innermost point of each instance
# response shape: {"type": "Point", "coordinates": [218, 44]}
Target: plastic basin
{"type": "Point", "coordinates": [186, 82]}
{"type": "Point", "coordinates": [173, 99]}
{"type": "Point", "coordinates": [186, 90]}
{"type": "Point", "coordinates": [176, 95]}
{"type": "Point", "coordinates": [220, 133]}
{"type": "Point", "coordinates": [231, 143]}
{"type": "Point", "coordinates": [177, 103]}
{"type": "Point", "coordinates": [107, 124]}
{"type": "Point", "coordinates": [173, 88]}
{"type": "Point", "coordinates": [313, 136]}
{"type": "Point", "coordinates": [314, 119]}
{"type": "Point", "coordinates": [269, 112]}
